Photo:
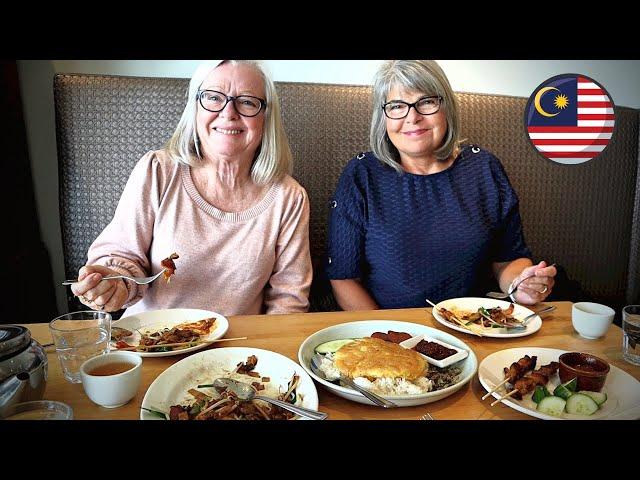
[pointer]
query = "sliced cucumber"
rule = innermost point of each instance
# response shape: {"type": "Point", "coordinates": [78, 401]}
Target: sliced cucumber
{"type": "Point", "coordinates": [539, 393]}
{"type": "Point", "coordinates": [562, 392]}
{"type": "Point", "coordinates": [332, 346]}
{"type": "Point", "coordinates": [553, 406]}
{"type": "Point", "coordinates": [598, 397]}
{"type": "Point", "coordinates": [572, 385]}
{"type": "Point", "coordinates": [581, 404]}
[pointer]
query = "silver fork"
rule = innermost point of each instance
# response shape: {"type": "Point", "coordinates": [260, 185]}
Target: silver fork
{"type": "Point", "coordinates": [138, 280]}
{"type": "Point", "coordinates": [501, 295]}
{"type": "Point", "coordinates": [427, 416]}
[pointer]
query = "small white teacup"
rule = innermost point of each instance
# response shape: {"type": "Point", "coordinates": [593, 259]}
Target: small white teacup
{"type": "Point", "coordinates": [111, 380]}
{"type": "Point", "coordinates": [591, 320]}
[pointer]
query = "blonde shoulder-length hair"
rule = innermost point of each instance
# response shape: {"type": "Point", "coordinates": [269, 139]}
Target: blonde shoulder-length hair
{"type": "Point", "coordinates": [421, 75]}
{"type": "Point", "coordinates": [273, 157]}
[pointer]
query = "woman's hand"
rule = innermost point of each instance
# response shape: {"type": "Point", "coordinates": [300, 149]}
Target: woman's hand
{"type": "Point", "coordinates": [96, 294]}
{"type": "Point", "coordinates": [537, 285]}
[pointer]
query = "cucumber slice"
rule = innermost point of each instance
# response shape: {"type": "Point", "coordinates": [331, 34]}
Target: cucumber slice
{"type": "Point", "coordinates": [598, 397]}
{"type": "Point", "coordinates": [572, 385]}
{"type": "Point", "coordinates": [553, 406]}
{"type": "Point", "coordinates": [539, 393]}
{"type": "Point", "coordinates": [562, 392]}
{"type": "Point", "coordinates": [581, 404]}
{"type": "Point", "coordinates": [332, 346]}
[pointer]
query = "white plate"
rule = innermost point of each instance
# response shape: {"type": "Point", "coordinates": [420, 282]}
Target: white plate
{"type": "Point", "coordinates": [158, 319]}
{"type": "Point", "coordinates": [364, 329]}
{"type": "Point", "coordinates": [623, 391]}
{"type": "Point", "coordinates": [170, 387]}
{"type": "Point", "coordinates": [472, 304]}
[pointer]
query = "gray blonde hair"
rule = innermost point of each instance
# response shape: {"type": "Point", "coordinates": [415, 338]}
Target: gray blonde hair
{"type": "Point", "coordinates": [421, 75]}
{"type": "Point", "coordinates": [273, 158]}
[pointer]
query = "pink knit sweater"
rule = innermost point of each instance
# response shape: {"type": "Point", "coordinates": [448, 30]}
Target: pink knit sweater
{"type": "Point", "coordinates": [255, 261]}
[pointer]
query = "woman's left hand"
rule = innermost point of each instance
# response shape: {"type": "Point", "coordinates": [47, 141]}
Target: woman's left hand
{"type": "Point", "coordinates": [537, 285]}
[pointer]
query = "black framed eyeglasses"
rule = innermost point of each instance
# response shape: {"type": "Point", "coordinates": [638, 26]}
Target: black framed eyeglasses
{"type": "Point", "coordinates": [397, 109]}
{"type": "Point", "coordinates": [246, 105]}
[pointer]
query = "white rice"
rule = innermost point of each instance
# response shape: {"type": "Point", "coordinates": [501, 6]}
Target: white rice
{"type": "Point", "coordinates": [381, 386]}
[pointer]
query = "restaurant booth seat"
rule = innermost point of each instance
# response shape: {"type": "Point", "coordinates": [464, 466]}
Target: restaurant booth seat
{"type": "Point", "coordinates": [585, 218]}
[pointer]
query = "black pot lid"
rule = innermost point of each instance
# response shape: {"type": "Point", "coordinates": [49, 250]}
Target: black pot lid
{"type": "Point", "coordinates": [12, 338]}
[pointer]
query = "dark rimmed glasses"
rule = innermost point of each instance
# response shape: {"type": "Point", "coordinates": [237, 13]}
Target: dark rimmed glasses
{"type": "Point", "coordinates": [397, 109]}
{"type": "Point", "coordinates": [246, 105]}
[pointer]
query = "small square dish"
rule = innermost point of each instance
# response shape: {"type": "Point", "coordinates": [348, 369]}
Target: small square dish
{"type": "Point", "coordinates": [413, 342]}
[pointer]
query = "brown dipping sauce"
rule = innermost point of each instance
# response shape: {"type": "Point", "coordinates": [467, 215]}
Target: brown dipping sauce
{"type": "Point", "coordinates": [111, 369]}
{"type": "Point", "coordinates": [434, 350]}
{"type": "Point", "coordinates": [588, 367]}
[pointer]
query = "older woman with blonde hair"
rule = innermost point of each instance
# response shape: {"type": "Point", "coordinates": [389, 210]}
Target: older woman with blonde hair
{"type": "Point", "coordinates": [219, 194]}
{"type": "Point", "coordinates": [423, 215]}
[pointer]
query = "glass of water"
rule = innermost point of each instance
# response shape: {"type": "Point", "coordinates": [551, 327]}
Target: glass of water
{"type": "Point", "coordinates": [79, 336]}
{"type": "Point", "coordinates": [631, 334]}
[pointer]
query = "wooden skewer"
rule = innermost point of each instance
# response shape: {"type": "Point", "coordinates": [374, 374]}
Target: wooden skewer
{"type": "Point", "coordinates": [462, 324]}
{"type": "Point", "coordinates": [512, 392]}
{"type": "Point", "coordinates": [495, 388]}
{"type": "Point", "coordinates": [145, 348]}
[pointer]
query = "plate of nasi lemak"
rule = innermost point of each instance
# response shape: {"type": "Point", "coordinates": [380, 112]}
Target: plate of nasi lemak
{"type": "Point", "coordinates": [405, 363]}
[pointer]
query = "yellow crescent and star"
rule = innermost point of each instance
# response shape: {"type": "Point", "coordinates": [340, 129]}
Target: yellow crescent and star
{"type": "Point", "coordinates": [561, 101]}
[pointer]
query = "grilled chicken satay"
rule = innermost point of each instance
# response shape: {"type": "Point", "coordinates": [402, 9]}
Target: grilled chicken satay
{"type": "Point", "coordinates": [518, 369]}
{"type": "Point", "coordinates": [540, 377]}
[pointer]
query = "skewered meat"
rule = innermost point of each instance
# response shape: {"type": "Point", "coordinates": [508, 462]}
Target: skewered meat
{"type": "Point", "coordinates": [540, 377]}
{"type": "Point", "coordinates": [518, 369]}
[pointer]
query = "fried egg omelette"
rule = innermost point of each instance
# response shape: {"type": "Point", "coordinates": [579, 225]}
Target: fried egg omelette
{"type": "Point", "coordinates": [375, 358]}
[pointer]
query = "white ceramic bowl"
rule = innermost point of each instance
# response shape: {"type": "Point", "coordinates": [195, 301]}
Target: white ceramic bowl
{"type": "Point", "coordinates": [364, 329]}
{"type": "Point", "coordinates": [112, 391]}
{"type": "Point", "coordinates": [591, 320]}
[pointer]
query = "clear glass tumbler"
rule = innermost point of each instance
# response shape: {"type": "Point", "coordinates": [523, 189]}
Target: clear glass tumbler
{"type": "Point", "coordinates": [79, 336]}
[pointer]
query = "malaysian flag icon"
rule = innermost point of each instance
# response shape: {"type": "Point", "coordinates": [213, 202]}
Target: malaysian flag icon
{"type": "Point", "coordinates": [570, 119]}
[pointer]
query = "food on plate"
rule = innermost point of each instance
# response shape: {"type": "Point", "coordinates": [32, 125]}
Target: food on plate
{"type": "Point", "coordinates": [118, 333]}
{"type": "Point", "coordinates": [527, 384]}
{"type": "Point", "coordinates": [384, 367]}
{"type": "Point", "coordinates": [518, 369]}
{"type": "Point", "coordinates": [169, 265]}
{"type": "Point", "coordinates": [484, 318]}
{"type": "Point", "coordinates": [564, 398]}
{"type": "Point", "coordinates": [212, 403]}
{"type": "Point", "coordinates": [180, 336]}
{"type": "Point", "coordinates": [376, 358]}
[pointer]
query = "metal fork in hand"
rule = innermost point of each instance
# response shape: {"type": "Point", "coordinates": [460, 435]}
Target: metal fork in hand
{"type": "Point", "coordinates": [513, 288]}
{"type": "Point", "coordinates": [138, 280]}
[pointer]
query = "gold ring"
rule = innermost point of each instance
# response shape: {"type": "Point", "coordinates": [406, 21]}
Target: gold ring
{"type": "Point", "coordinates": [544, 290]}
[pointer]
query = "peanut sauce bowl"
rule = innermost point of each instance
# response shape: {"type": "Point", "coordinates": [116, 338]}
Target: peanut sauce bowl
{"type": "Point", "coordinates": [365, 328]}
{"type": "Point", "coordinates": [590, 370]}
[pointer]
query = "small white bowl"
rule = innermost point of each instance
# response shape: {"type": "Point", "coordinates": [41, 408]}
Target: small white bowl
{"type": "Point", "coordinates": [591, 320]}
{"type": "Point", "coordinates": [112, 390]}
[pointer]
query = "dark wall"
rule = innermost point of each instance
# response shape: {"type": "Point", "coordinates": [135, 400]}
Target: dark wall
{"type": "Point", "coordinates": [27, 292]}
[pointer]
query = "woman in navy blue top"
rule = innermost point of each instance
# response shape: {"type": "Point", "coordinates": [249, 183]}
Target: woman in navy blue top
{"type": "Point", "coordinates": [423, 216]}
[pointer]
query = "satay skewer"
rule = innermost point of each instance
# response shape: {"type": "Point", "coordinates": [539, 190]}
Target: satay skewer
{"type": "Point", "coordinates": [512, 392]}
{"type": "Point", "coordinates": [495, 388]}
{"type": "Point", "coordinates": [515, 371]}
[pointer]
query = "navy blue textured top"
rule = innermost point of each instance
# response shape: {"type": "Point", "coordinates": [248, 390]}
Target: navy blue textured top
{"type": "Point", "coordinates": [409, 237]}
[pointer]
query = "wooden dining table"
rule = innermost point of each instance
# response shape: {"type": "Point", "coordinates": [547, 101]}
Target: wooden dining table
{"type": "Point", "coordinates": [285, 333]}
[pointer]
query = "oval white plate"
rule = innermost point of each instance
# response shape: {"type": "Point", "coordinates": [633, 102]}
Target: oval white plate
{"type": "Point", "coordinates": [159, 319]}
{"type": "Point", "coordinates": [623, 391]}
{"type": "Point", "coordinates": [472, 304]}
{"type": "Point", "coordinates": [364, 329]}
{"type": "Point", "coordinates": [170, 387]}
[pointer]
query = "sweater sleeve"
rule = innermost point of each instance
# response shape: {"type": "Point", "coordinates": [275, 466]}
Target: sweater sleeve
{"type": "Point", "coordinates": [508, 242]}
{"type": "Point", "coordinates": [288, 287]}
{"type": "Point", "coordinates": [346, 233]}
{"type": "Point", "coordinates": [125, 242]}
